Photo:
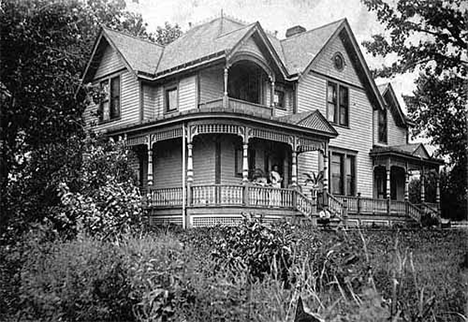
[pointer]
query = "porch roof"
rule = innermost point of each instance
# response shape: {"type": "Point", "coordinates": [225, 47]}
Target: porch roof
{"type": "Point", "coordinates": [415, 152]}
{"type": "Point", "coordinates": [311, 123]}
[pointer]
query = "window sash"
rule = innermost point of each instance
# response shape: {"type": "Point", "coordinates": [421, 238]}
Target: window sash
{"type": "Point", "coordinates": [383, 126]}
{"type": "Point", "coordinates": [115, 98]}
{"type": "Point", "coordinates": [171, 99]}
{"type": "Point", "coordinates": [343, 174]}
{"type": "Point", "coordinates": [338, 104]}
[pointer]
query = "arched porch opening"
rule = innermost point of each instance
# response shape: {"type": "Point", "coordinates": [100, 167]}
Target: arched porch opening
{"type": "Point", "coordinates": [380, 182]}
{"type": "Point", "coordinates": [247, 82]}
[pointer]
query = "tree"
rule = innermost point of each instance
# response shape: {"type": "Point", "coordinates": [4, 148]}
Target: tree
{"type": "Point", "coordinates": [45, 45]}
{"type": "Point", "coordinates": [431, 37]}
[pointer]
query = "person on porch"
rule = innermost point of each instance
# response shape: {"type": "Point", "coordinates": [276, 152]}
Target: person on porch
{"type": "Point", "coordinates": [275, 179]}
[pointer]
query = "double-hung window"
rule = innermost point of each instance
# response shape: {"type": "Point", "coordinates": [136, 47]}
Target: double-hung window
{"type": "Point", "coordinates": [383, 126]}
{"type": "Point", "coordinates": [343, 174]}
{"type": "Point", "coordinates": [109, 105]}
{"type": "Point", "coordinates": [171, 98]}
{"type": "Point", "coordinates": [338, 104]}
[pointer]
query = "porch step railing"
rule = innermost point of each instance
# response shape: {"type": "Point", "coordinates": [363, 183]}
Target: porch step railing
{"type": "Point", "coordinates": [335, 206]}
{"type": "Point", "coordinates": [306, 206]}
{"type": "Point", "coordinates": [414, 212]}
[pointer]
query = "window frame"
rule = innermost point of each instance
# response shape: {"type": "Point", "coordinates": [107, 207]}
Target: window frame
{"type": "Point", "coordinates": [109, 98]}
{"type": "Point", "coordinates": [382, 117]}
{"type": "Point", "coordinates": [238, 153]}
{"type": "Point", "coordinates": [168, 88]}
{"type": "Point", "coordinates": [335, 102]}
{"type": "Point", "coordinates": [277, 101]}
{"type": "Point", "coordinates": [344, 156]}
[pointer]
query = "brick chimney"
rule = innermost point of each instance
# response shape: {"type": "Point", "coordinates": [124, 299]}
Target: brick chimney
{"type": "Point", "coordinates": [294, 31]}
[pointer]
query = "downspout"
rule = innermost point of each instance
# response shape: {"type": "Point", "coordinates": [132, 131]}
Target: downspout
{"type": "Point", "coordinates": [184, 191]}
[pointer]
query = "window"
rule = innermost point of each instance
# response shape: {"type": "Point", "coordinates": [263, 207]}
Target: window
{"type": "Point", "coordinates": [338, 104]}
{"type": "Point", "coordinates": [338, 61]}
{"type": "Point", "coordinates": [279, 99]}
{"type": "Point", "coordinates": [343, 174]}
{"type": "Point", "coordinates": [383, 126]}
{"type": "Point", "coordinates": [109, 105]}
{"type": "Point", "coordinates": [171, 99]}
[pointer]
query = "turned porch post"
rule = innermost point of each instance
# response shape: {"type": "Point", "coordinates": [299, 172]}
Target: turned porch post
{"type": "Point", "coordinates": [272, 96]}
{"type": "Point", "coordinates": [325, 168]}
{"type": "Point", "coordinates": [150, 181]}
{"type": "Point", "coordinates": [294, 168]}
{"type": "Point", "coordinates": [245, 162]}
{"type": "Point", "coordinates": [189, 172]}
{"type": "Point", "coordinates": [225, 95]}
{"type": "Point", "coordinates": [423, 183]}
{"type": "Point", "coordinates": [388, 190]}
{"type": "Point", "coordinates": [407, 175]}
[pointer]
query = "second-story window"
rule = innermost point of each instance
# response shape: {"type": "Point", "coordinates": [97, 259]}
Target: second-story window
{"type": "Point", "coordinates": [338, 104]}
{"type": "Point", "coordinates": [279, 99]}
{"type": "Point", "coordinates": [171, 98]}
{"type": "Point", "coordinates": [383, 126]}
{"type": "Point", "coordinates": [109, 105]}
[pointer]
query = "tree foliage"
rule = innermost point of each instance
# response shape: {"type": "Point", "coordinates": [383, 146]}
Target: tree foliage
{"type": "Point", "coordinates": [430, 37]}
{"type": "Point", "coordinates": [45, 47]}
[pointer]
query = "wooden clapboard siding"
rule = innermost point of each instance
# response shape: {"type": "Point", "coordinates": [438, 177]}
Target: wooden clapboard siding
{"type": "Point", "coordinates": [251, 46]}
{"type": "Point", "coordinates": [187, 93]}
{"type": "Point", "coordinates": [150, 97]}
{"type": "Point", "coordinates": [358, 137]}
{"type": "Point", "coordinates": [167, 164]}
{"type": "Point", "coordinates": [307, 162]}
{"type": "Point", "coordinates": [228, 159]}
{"type": "Point", "coordinates": [312, 94]}
{"type": "Point", "coordinates": [375, 117]}
{"type": "Point", "coordinates": [396, 134]}
{"type": "Point", "coordinates": [211, 84]}
{"type": "Point", "coordinates": [324, 64]}
{"type": "Point", "coordinates": [204, 160]}
{"type": "Point", "coordinates": [110, 63]}
{"type": "Point", "coordinates": [129, 106]}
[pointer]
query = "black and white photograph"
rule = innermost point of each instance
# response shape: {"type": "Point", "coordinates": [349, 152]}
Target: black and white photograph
{"type": "Point", "coordinates": [242, 160]}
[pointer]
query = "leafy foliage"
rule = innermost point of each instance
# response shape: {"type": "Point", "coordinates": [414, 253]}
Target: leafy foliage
{"type": "Point", "coordinates": [108, 202]}
{"type": "Point", "coordinates": [431, 37]}
{"type": "Point", "coordinates": [45, 47]}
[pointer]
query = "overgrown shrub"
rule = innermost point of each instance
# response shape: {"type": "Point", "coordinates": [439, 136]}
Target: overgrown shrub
{"type": "Point", "coordinates": [256, 248]}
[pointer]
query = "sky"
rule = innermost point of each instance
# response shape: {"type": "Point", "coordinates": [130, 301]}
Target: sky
{"type": "Point", "coordinates": [274, 15]}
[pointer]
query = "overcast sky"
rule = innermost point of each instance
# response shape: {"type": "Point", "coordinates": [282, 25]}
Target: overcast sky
{"type": "Point", "coordinates": [273, 15]}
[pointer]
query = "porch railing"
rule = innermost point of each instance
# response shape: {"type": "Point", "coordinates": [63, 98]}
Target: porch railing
{"type": "Point", "coordinates": [335, 205]}
{"type": "Point", "coordinates": [304, 205]}
{"type": "Point", "coordinates": [237, 105]}
{"type": "Point", "coordinates": [210, 195]}
{"type": "Point", "coordinates": [168, 197]}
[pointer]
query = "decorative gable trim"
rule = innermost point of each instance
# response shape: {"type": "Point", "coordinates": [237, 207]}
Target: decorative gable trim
{"type": "Point", "coordinates": [258, 30]}
{"type": "Point", "coordinates": [395, 106]}
{"type": "Point", "coordinates": [375, 96]}
{"type": "Point", "coordinates": [99, 45]}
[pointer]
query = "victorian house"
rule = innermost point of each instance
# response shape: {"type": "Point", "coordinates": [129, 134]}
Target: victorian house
{"type": "Point", "coordinates": [212, 112]}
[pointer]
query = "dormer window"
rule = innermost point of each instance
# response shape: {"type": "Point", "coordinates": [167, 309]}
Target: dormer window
{"type": "Point", "coordinates": [109, 104]}
{"type": "Point", "coordinates": [383, 126]}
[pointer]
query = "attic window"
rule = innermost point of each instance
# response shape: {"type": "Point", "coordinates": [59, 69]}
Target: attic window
{"type": "Point", "coordinates": [109, 102]}
{"type": "Point", "coordinates": [338, 61]}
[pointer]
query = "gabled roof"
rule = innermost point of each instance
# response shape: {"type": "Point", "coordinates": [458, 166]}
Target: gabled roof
{"type": "Point", "coordinates": [301, 49]}
{"type": "Point", "coordinates": [218, 35]}
{"type": "Point", "coordinates": [394, 106]}
{"type": "Point", "coordinates": [412, 150]}
{"type": "Point", "coordinates": [137, 54]}
{"type": "Point", "coordinates": [311, 120]}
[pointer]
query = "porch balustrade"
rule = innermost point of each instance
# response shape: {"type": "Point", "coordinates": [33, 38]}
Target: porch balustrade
{"type": "Point", "coordinates": [210, 195]}
{"type": "Point", "coordinates": [169, 197]}
{"type": "Point", "coordinates": [238, 105]}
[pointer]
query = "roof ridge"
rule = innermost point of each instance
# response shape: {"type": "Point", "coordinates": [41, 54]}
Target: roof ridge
{"type": "Point", "coordinates": [244, 27]}
{"type": "Point", "coordinates": [314, 29]}
{"type": "Point", "coordinates": [127, 34]}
